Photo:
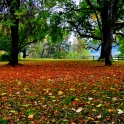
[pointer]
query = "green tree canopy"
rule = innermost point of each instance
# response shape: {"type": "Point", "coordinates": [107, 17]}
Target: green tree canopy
{"type": "Point", "coordinates": [95, 20]}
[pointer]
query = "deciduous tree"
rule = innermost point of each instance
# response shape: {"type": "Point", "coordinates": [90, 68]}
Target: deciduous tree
{"type": "Point", "coordinates": [95, 20]}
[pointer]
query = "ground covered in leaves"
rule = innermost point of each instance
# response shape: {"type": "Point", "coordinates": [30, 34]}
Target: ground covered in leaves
{"type": "Point", "coordinates": [62, 92]}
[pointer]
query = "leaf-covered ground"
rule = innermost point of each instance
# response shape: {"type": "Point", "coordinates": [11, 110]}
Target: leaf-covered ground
{"type": "Point", "coordinates": [62, 92]}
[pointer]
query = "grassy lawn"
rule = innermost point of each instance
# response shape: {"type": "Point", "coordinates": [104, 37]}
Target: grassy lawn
{"type": "Point", "coordinates": [62, 92]}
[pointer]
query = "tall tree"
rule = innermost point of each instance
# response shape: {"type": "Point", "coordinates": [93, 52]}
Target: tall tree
{"type": "Point", "coordinates": [24, 30]}
{"type": "Point", "coordinates": [13, 7]}
{"type": "Point", "coordinates": [108, 17]}
{"type": "Point", "coordinates": [81, 20]}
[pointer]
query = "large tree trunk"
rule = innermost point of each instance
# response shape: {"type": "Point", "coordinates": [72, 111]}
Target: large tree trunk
{"type": "Point", "coordinates": [14, 49]}
{"type": "Point", "coordinates": [102, 52]}
{"type": "Point", "coordinates": [108, 14]}
{"type": "Point", "coordinates": [14, 5]}
{"type": "Point", "coordinates": [107, 32]}
{"type": "Point", "coordinates": [108, 40]}
{"type": "Point", "coordinates": [108, 45]}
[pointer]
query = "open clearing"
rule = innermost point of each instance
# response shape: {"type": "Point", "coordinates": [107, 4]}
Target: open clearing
{"type": "Point", "coordinates": [62, 92]}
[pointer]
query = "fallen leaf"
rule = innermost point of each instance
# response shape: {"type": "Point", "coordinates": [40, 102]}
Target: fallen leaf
{"type": "Point", "coordinates": [120, 111]}
{"type": "Point", "coordinates": [94, 110]}
{"type": "Point", "coordinates": [60, 92]}
{"type": "Point", "coordinates": [31, 116]}
{"type": "Point", "coordinates": [79, 109]}
{"type": "Point", "coordinates": [12, 111]}
{"type": "Point", "coordinates": [50, 94]}
{"type": "Point", "coordinates": [53, 97]}
{"type": "Point", "coordinates": [90, 98]}
{"type": "Point", "coordinates": [73, 122]}
{"type": "Point", "coordinates": [73, 109]}
{"type": "Point", "coordinates": [114, 99]}
{"type": "Point", "coordinates": [110, 110]}
{"type": "Point", "coordinates": [98, 106]}
{"type": "Point", "coordinates": [3, 94]}
{"type": "Point", "coordinates": [7, 117]}
{"type": "Point", "coordinates": [77, 99]}
{"type": "Point", "coordinates": [72, 89]}
{"type": "Point", "coordinates": [99, 116]}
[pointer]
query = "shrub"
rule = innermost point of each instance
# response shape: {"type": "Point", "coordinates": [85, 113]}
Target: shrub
{"type": "Point", "coordinates": [5, 57]}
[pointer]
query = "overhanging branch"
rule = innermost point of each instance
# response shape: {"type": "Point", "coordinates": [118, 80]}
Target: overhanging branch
{"type": "Point", "coordinates": [84, 35]}
{"type": "Point", "coordinates": [26, 45]}
{"type": "Point", "coordinates": [90, 4]}
{"type": "Point", "coordinates": [118, 26]}
{"type": "Point", "coordinates": [120, 34]}
{"type": "Point", "coordinates": [96, 49]}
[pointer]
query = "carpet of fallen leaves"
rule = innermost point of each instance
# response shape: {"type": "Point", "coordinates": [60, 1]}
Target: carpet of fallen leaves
{"type": "Point", "coordinates": [62, 92]}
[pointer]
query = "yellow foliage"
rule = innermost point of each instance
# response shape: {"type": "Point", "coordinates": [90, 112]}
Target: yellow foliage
{"type": "Point", "coordinates": [94, 17]}
{"type": "Point", "coordinates": [2, 52]}
{"type": "Point", "coordinates": [0, 27]}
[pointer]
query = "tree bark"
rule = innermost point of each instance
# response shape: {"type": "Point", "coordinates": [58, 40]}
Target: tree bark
{"type": "Point", "coordinates": [14, 5]}
{"type": "Point", "coordinates": [14, 49]}
{"type": "Point", "coordinates": [102, 52]}
{"type": "Point", "coordinates": [108, 45]}
{"type": "Point", "coordinates": [108, 18]}
{"type": "Point", "coordinates": [24, 53]}
{"type": "Point", "coordinates": [107, 32]}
